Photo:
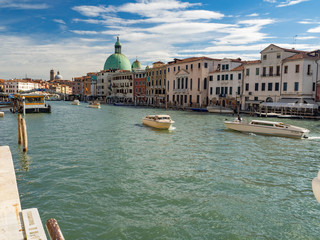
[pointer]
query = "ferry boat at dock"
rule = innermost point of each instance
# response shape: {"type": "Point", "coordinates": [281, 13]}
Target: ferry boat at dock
{"type": "Point", "coordinates": [33, 103]}
{"type": "Point", "coordinates": [278, 129]}
{"type": "Point", "coordinates": [158, 121]}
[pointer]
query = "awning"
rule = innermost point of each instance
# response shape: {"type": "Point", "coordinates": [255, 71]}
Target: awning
{"type": "Point", "coordinates": [253, 101]}
{"type": "Point", "coordinates": [288, 105]}
{"type": "Point", "coordinates": [289, 100]}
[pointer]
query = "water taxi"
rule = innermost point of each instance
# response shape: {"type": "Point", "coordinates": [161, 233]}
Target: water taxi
{"type": "Point", "coordinates": [158, 121]}
{"type": "Point", "coordinates": [75, 102]}
{"type": "Point", "coordinates": [278, 129]}
{"type": "Point", "coordinates": [94, 104]}
{"type": "Point", "coordinates": [33, 103]}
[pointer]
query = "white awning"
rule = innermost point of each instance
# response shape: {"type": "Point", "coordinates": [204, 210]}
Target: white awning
{"type": "Point", "coordinates": [288, 105]}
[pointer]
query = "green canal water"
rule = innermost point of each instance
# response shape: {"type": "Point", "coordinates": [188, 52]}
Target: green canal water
{"type": "Point", "coordinates": [103, 175]}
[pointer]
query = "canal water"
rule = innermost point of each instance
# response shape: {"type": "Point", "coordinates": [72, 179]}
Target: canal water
{"type": "Point", "coordinates": [103, 175]}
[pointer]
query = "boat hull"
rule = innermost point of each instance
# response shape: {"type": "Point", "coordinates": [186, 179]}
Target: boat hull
{"type": "Point", "coordinates": [94, 106]}
{"type": "Point", "coordinates": [157, 124]}
{"type": "Point", "coordinates": [266, 130]}
{"type": "Point", "coordinates": [220, 110]}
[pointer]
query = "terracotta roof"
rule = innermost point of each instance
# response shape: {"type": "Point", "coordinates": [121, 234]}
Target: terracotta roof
{"type": "Point", "coordinates": [239, 68]}
{"type": "Point", "coordinates": [191, 59]}
{"type": "Point", "coordinates": [303, 55]}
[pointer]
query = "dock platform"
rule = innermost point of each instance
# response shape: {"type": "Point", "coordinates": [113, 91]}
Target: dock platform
{"type": "Point", "coordinates": [12, 225]}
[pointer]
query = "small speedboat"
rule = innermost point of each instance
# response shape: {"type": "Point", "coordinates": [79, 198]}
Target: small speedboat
{"type": "Point", "coordinates": [219, 109]}
{"type": "Point", "coordinates": [75, 102]}
{"type": "Point", "coordinates": [94, 104]}
{"type": "Point", "coordinates": [278, 129]}
{"type": "Point", "coordinates": [158, 121]}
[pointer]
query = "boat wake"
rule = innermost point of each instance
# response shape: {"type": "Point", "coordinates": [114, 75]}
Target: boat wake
{"type": "Point", "coordinates": [171, 128]}
{"type": "Point", "coordinates": [313, 138]}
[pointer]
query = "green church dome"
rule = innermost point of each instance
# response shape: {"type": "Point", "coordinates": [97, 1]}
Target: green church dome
{"type": "Point", "coordinates": [117, 61]}
{"type": "Point", "coordinates": [136, 65]}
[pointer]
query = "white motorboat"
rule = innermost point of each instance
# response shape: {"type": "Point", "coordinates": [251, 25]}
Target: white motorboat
{"type": "Point", "coordinates": [94, 104]}
{"type": "Point", "coordinates": [267, 128]}
{"type": "Point", "coordinates": [219, 109]}
{"type": "Point", "coordinates": [158, 121]}
{"type": "Point", "coordinates": [75, 102]}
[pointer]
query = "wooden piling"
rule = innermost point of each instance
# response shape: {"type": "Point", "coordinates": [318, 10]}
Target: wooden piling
{"type": "Point", "coordinates": [24, 135]}
{"type": "Point", "coordinates": [54, 230]}
{"type": "Point", "coordinates": [19, 129]}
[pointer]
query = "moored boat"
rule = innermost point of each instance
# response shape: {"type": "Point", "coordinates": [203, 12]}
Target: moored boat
{"type": "Point", "coordinates": [219, 109]}
{"type": "Point", "coordinates": [158, 121]}
{"type": "Point", "coordinates": [94, 104]}
{"type": "Point", "coordinates": [279, 129]}
{"type": "Point", "coordinates": [75, 102]}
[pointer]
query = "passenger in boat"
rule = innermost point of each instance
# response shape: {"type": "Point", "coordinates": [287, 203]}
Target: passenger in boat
{"type": "Point", "coordinates": [239, 118]}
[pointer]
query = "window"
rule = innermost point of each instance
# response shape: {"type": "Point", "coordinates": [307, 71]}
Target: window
{"type": "Point", "coordinates": [205, 65]}
{"type": "Point", "coordinates": [285, 69]}
{"type": "Point", "coordinates": [247, 86]}
{"type": "Point", "coordinates": [227, 66]}
{"type": "Point", "coordinates": [223, 67]}
{"type": "Point", "coordinates": [264, 57]}
{"type": "Point", "coordinates": [186, 82]}
{"type": "Point", "coordinates": [264, 71]}
{"type": "Point", "coordinates": [191, 66]}
{"type": "Point", "coordinates": [231, 76]}
{"type": "Point", "coordinates": [178, 69]}
{"type": "Point", "coordinates": [168, 69]}
{"type": "Point", "coordinates": [173, 98]}
{"type": "Point", "coordinates": [198, 84]}
{"type": "Point", "coordinates": [227, 76]}
{"type": "Point", "coordinates": [256, 86]}
{"type": "Point", "coordinates": [296, 86]}
{"type": "Point", "coordinates": [239, 89]}
{"type": "Point", "coordinates": [276, 87]}
{"type": "Point", "coordinates": [230, 90]}
{"type": "Point", "coordinates": [210, 90]}
{"type": "Point", "coordinates": [190, 98]}
{"type": "Point", "coordinates": [199, 65]}
{"type": "Point", "coordinates": [247, 71]}
{"type": "Point", "coordinates": [168, 85]}
{"type": "Point", "coordinates": [217, 90]}
{"type": "Point", "coordinates": [190, 83]}
{"type": "Point", "coordinates": [222, 77]}
{"type": "Point", "coordinates": [218, 77]}
{"type": "Point", "coordinates": [278, 70]}
{"type": "Point", "coordinates": [174, 69]}
{"type": "Point", "coordinates": [278, 55]}
{"type": "Point", "coordinates": [182, 83]}
{"type": "Point", "coordinates": [270, 71]}
{"type": "Point", "coordinates": [270, 86]}
{"type": "Point", "coordinates": [263, 87]}
{"type": "Point", "coordinates": [285, 86]}
{"type": "Point", "coordinates": [297, 68]}
{"type": "Point", "coordinates": [186, 67]}
{"type": "Point", "coordinates": [205, 83]}
{"type": "Point", "coordinates": [178, 80]}
{"type": "Point", "coordinates": [198, 98]}
{"type": "Point", "coordinates": [174, 84]}
{"type": "Point", "coordinates": [313, 86]}
{"type": "Point", "coordinates": [210, 78]}
{"type": "Point", "coordinates": [239, 76]}
{"type": "Point", "coordinates": [309, 69]}
{"type": "Point", "coordinates": [257, 71]}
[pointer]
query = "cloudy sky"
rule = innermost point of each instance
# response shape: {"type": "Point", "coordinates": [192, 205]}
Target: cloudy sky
{"type": "Point", "coordinates": [76, 36]}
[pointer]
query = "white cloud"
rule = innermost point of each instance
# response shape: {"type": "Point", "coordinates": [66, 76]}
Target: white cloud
{"type": "Point", "coordinates": [19, 5]}
{"type": "Point", "coordinates": [59, 21]}
{"type": "Point", "coordinates": [253, 15]}
{"type": "Point", "coordinates": [290, 3]}
{"type": "Point", "coordinates": [314, 30]}
{"type": "Point", "coordinates": [93, 11]}
{"type": "Point", "coordinates": [305, 38]}
{"type": "Point", "coordinates": [84, 32]}
{"type": "Point", "coordinates": [270, 1]}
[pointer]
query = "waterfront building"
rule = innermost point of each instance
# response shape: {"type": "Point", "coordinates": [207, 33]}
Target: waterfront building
{"type": "Point", "coordinates": [156, 84]}
{"type": "Point", "coordinates": [225, 83]}
{"type": "Point", "coordinates": [19, 85]}
{"type": "Point", "coordinates": [187, 81]}
{"type": "Point", "coordinates": [120, 87]}
{"type": "Point", "coordinates": [139, 87]}
{"type": "Point", "coordinates": [82, 85]}
{"type": "Point", "coordinates": [2, 85]}
{"type": "Point", "coordinates": [282, 75]}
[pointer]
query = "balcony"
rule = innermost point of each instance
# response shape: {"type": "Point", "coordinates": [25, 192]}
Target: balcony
{"type": "Point", "coordinates": [181, 91]}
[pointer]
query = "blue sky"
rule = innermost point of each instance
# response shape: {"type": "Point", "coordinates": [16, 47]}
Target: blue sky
{"type": "Point", "coordinates": [76, 36]}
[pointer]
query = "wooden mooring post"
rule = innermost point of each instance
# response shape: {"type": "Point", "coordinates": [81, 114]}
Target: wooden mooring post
{"type": "Point", "coordinates": [22, 133]}
{"type": "Point", "coordinates": [54, 230]}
